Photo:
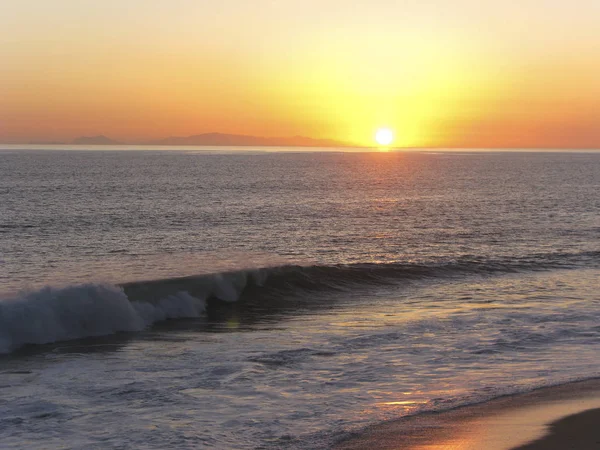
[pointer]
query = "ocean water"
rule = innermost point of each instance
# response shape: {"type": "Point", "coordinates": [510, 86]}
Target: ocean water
{"type": "Point", "coordinates": [205, 299]}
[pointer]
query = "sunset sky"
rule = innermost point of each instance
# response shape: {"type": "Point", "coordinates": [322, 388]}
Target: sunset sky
{"type": "Point", "coordinates": [460, 73]}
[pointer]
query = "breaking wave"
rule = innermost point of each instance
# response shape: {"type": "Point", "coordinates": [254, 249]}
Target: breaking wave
{"type": "Point", "coordinates": [51, 315]}
{"type": "Point", "coordinates": [74, 312]}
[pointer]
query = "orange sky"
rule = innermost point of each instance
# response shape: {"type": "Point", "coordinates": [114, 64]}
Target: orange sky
{"type": "Point", "coordinates": [459, 73]}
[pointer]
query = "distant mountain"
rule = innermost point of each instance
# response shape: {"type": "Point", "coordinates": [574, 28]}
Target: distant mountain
{"type": "Point", "coordinates": [45, 143]}
{"type": "Point", "coordinates": [221, 139]}
{"type": "Point", "coordinates": [217, 139]}
{"type": "Point", "coordinates": [94, 140]}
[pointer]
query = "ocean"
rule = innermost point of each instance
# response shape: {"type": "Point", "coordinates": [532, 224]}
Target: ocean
{"type": "Point", "coordinates": [204, 298]}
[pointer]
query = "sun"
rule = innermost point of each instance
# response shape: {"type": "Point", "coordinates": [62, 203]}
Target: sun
{"type": "Point", "coordinates": [384, 136]}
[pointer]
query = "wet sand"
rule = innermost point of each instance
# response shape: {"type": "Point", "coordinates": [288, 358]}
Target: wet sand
{"type": "Point", "coordinates": [561, 417]}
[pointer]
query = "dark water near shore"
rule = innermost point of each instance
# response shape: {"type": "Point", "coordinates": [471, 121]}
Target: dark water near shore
{"type": "Point", "coordinates": [314, 293]}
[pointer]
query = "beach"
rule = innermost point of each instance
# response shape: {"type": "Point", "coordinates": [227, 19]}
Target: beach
{"type": "Point", "coordinates": [299, 225]}
{"type": "Point", "coordinates": [560, 417]}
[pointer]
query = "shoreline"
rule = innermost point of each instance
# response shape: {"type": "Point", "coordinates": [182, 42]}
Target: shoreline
{"type": "Point", "coordinates": [541, 419]}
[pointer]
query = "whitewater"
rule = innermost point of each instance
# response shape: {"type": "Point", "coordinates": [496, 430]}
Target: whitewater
{"type": "Point", "coordinates": [285, 300]}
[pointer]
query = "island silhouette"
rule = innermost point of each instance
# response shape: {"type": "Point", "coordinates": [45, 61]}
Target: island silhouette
{"type": "Point", "coordinates": [218, 139]}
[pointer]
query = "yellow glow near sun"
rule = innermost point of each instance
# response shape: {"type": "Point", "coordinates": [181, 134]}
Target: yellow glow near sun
{"type": "Point", "coordinates": [384, 136]}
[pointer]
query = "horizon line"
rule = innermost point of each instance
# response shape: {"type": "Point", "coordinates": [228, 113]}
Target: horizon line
{"type": "Point", "coordinates": [375, 148]}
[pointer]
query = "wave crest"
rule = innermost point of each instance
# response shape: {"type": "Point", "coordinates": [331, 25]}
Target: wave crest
{"type": "Point", "coordinates": [60, 314]}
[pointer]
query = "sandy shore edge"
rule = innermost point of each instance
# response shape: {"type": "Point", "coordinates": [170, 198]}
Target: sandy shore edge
{"type": "Point", "coordinates": [543, 419]}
